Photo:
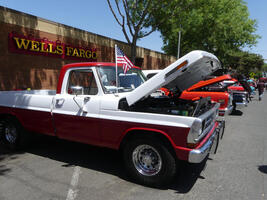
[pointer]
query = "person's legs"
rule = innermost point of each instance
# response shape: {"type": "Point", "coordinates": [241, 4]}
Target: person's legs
{"type": "Point", "coordinates": [260, 95]}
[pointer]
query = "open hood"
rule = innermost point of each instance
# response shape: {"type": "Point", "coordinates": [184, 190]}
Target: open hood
{"type": "Point", "coordinates": [182, 74]}
{"type": "Point", "coordinates": [243, 83]}
{"type": "Point", "coordinates": [210, 82]}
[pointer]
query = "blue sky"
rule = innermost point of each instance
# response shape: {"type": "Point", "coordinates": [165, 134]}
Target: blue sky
{"type": "Point", "coordinates": [94, 16]}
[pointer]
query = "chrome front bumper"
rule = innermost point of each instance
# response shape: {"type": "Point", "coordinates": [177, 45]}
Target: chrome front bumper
{"type": "Point", "coordinates": [226, 111]}
{"type": "Point", "coordinates": [241, 105]}
{"type": "Point", "coordinates": [211, 145]}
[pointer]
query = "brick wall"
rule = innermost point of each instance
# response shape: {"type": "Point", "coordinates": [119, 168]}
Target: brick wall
{"type": "Point", "coordinates": [19, 71]}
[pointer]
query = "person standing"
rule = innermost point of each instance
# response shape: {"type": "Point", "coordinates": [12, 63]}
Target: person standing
{"type": "Point", "coordinates": [260, 87]}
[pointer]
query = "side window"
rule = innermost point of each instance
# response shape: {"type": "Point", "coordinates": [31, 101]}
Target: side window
{"type": "Point", "coordinates": [82, 82]}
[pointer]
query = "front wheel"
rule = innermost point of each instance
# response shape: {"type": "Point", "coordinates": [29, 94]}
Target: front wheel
{"type": "Point", "coordinates": [149, 162]}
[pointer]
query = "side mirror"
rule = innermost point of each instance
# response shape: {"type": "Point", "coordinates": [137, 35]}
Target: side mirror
{"type": "Point", "coordinates": [77, 90]}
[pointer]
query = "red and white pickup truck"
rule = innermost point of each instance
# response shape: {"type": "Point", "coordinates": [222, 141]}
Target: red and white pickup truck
{"type": "Point", "coordinates": [151, 130]}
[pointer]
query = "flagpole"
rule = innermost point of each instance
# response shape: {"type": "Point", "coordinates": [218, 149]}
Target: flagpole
{"type": "Point", "coordinates": [116, 68]}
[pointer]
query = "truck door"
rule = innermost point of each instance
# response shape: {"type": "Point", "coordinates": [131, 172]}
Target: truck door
{"type": "Point", "coordinates": [75, 112]}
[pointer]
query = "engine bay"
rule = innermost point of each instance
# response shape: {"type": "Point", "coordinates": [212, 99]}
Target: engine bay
{"type": "Point", "coordinates": [169, 105]}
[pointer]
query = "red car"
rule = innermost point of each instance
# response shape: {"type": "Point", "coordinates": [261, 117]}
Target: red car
{"type": "Point", "coordinates": [214, 89]}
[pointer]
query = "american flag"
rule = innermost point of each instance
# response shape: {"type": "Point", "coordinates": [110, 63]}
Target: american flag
{"type": "Point", "coordinates": [122, 59]}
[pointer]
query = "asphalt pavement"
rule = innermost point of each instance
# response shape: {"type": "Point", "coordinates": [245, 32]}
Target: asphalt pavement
{"type": "Point", "coordinates": [59, 170]}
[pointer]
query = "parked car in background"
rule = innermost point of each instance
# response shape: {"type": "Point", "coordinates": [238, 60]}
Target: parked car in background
{"type": "Point", "coordinates": [240, 87]}
{"type": "Point", "coordinates": [214, 88]}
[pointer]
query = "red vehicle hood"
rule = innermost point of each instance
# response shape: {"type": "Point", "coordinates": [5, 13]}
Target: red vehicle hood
{"type": "Point", "coordinates": [239, 88]}
{"type": "Point", "coordinates": [201, 84]}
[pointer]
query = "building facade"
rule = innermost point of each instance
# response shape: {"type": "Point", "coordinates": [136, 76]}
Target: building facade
{"type": "Point", "coordinates": [32, 50]}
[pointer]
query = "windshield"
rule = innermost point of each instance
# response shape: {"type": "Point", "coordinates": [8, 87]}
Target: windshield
{"type": "Point", "coordinates": [126, 82]}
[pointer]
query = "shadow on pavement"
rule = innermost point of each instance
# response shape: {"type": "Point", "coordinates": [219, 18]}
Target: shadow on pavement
{"type": "Point", "coordinates": [4, 170]}
{"type": "Point", "coordinates": [263, 169]}
{"type": "Point", "coordinates": [187, 176]}
{"type": "Point", "coordinates": [77, 154]}
{"type": "Point", "coordinates": [236, 113]}
{"type": "Point", "coordinates": [107, 161]}
{"type": "Point", "coordinates": [4, 155]}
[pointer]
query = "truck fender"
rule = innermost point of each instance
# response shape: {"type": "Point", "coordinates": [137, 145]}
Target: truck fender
{"type": "Point", "coordinates": [137, 130]}
{"type": "Point", "coordinates": [9, 113]}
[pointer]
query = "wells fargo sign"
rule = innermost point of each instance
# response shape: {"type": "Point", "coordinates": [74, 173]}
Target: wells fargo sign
{"type": "Point", "coordinates": [30, 45]}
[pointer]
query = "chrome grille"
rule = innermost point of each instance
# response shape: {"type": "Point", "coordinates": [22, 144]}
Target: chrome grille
{"type": "Point", "coordinates": [230, 100]}
{"type": "Point", "coordinates": [208, 121]}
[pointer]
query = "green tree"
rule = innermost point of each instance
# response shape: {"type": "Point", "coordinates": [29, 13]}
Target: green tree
{"type": "Point", "coordinates": [134, 17]}
{"type": "Point", "coordinates": [245, 62]}
{"type": "Point", "coordinates": [264, 70]}
{"type": "Point", "coordinates": [217, 26]}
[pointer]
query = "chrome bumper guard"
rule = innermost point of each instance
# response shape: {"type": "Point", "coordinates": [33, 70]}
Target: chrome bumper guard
{"type": "Point", "coordinates": [198, 155]}
{"type": "Point", "coordinates": [221, 128]}
{"type": "Point", "coordinates": [226, 111]}
{"type": "Point", "coordinates": [241, 105]}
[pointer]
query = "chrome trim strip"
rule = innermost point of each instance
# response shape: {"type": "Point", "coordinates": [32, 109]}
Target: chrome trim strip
{"type": "Point", "coordinates": [221, 128]}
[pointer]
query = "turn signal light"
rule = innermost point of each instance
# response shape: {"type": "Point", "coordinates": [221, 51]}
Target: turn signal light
{"type": "Point", "coordinates": [176, 68]}
{"type": "Point", "coordinates": [181, 65]}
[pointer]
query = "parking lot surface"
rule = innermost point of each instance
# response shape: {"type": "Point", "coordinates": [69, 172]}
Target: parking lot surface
{"type": "Point", "coordinates": [53, 170]}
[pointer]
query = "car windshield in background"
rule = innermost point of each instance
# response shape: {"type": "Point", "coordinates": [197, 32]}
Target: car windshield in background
{"type": "Point", "coordinates": [126, 82]}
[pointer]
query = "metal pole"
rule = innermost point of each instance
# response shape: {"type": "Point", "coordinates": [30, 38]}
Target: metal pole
{"type": "Point", "coordinates": [179, 43]}
{"type": "Point", "coordinates": [116, 69]}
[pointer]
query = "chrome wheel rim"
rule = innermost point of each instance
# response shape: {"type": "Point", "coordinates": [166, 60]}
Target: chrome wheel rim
{"type": "Point", "coordinates": [11, 134]}
{"type": "Point", "coordinates": [147, 160]}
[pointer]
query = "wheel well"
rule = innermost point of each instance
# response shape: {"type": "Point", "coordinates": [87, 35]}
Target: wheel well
{"type": "Point", "coordinates": [9, 116]}
{"type": "Point", "coordinates": [148, 134]}
{"type": "Point", "coordinates": [4, 116]}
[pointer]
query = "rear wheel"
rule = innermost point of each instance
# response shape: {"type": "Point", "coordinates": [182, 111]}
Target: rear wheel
{"type": "Point", "coordinates": [149, 161]}
{"type": "Point", "coordinates": [11, 133]}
